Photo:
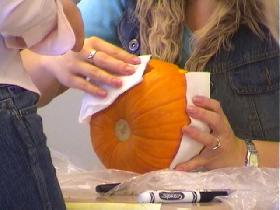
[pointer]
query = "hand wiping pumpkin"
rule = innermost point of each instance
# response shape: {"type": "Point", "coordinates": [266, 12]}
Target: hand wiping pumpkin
{"type": "Point", "coordinates": [140, 130]}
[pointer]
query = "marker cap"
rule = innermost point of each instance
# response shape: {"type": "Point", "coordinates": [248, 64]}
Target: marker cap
{"type": "Point", "coordinates": [209, 196]}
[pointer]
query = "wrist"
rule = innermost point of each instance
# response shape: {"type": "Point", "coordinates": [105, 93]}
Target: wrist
{"type": "Point", "coordinates": [242, 152]}
{"type": "Point", "coordinates": [47, 64]}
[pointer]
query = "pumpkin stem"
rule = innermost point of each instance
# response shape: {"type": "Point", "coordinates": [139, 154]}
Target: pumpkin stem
{"type": "Point", "coordinates": [122, 130]}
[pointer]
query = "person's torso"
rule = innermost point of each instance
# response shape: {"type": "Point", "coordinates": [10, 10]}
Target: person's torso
{"type": "Point", "coordinates": [11, 68]}
{"type": "Point", "coordinates": [245, 79]}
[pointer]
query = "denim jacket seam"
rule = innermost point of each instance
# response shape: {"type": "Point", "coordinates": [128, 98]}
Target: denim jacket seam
{"type": "Point", "coordinates": [120, 34]}
{"type": "Point", "coordinates": [255, 90]}
{"type": "Point", "coordinates": [254, 118]}
{"type": "Point", "coordinates": [223, 68]}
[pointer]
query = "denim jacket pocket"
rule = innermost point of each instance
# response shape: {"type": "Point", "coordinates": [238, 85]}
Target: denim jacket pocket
{"type": "Point", "coordinates": [256, 78]}
{"type": "Point", "coordinates": [255, 89]}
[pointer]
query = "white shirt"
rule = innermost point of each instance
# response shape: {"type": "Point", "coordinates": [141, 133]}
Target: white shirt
{"type": "Point", "coordinates": [39, 25]}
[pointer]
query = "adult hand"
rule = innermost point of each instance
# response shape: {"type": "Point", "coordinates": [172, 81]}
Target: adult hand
{"type": "Point", "coordinates": [232, 150]}
{"type": "Point", "coordinates": [75, 70]}
{"type": "Point", "coordinates": [73, 16]}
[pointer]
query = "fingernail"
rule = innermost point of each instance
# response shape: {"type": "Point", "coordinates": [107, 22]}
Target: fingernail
{"type": "Point", "coordinates": [117, 82]}
{"type": "Point", "coordinates": [197, 99]}
{"type": "Point", "coordinates": [189, 130]}
{"type": "Point", "coordinates": [102, 93]}
{"type": "Point", "coordinates": [179, 168]}
{"type": "Point", "coordinates": [185, 129]}
{"type": "Point", "coordinates": [130, 69]}
{"type": "Point", "coordinates": [136, 60]}
{"type": "Point", "coordinates": [191, 109]}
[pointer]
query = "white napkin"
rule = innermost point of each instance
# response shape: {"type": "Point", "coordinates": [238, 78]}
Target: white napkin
{"type": "Point", "coordinates": [92, 104]}
{"type": "Point", "coordinates": [198, 83]}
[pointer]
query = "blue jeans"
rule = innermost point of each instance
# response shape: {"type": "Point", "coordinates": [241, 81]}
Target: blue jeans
{"type": "Point", "coordinates": [27, 177]}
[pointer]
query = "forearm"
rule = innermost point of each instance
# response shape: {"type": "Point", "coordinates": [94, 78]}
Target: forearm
{"type": "Point", "coordinates": [48, 85]}
{"type": "Point", "coordinates": [268, 153]}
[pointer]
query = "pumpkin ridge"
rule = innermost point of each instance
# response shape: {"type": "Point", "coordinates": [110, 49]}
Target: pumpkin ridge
{"type": "Point", "coordinates": [153, 157]}
{"type": "Point", "coordinates": [140, 158]}
{"type": "Point", "coordinates": [153, 154]}
{"type": "Point", "coordinates": [104, 148]}
{"type": "Point", "coordinates": [156, 107]}
{"type": "Point", "coordinates": [111, 158]}
{"type": "Point", "coordinates": [150, 163]}
{"type": "Point", "coordinates": [154, 139]}
{"type": "Point", "coordinates": [158, 125]}
{"type": "Point", "coordinates": [114, 139]}
{"type": "Point", "coordinates": [151, 89]}
{"type": "Point", "coordinates": [103, 115]}
{"type": "Point", "coordinates": [147, 163]}
{"type": "Point", "coordinates": [98, 126]}
{"type": "Point", "coordinates": [138, 140]}
{"type": "Point", "coordinates": [97, 147]}
{"type": "Point", "coordinates": [98, 135]}
{"type": "Point", "coordinates": [152, 126]}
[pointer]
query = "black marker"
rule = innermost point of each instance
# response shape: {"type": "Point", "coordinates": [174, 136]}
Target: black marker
{"type": "Point", "coordinates": [179, 196]}
{"type": "Point", "coordinates": [103, 188]}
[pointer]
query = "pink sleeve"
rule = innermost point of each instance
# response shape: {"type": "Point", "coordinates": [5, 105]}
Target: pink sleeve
{"type": "Point", "coordinates": [39, 25]}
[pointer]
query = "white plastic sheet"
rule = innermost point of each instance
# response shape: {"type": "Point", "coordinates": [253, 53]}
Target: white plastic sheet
{"type": "Point", "coordinates": [250, 188]}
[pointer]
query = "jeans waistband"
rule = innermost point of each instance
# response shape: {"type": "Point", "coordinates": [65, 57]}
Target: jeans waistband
{"type": "Point", "coordinates": [4, 85]}
{"type": "Point", "coordinates": [21, 98]}
{"type": "Point", "coordinates": [7, 90]}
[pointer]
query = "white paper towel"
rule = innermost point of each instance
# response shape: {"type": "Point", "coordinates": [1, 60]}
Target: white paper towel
{"type": "Point", "coordinates": [92, 104]}
{"type": "Point", "coordinates": [198, 83]}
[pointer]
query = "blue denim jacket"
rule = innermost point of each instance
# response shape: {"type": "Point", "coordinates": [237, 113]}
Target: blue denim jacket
{"type": "Point", "coordinates": [244, 79]}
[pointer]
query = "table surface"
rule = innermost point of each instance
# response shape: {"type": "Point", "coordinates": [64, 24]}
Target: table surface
{"type": "Point", "coordinates": [132, 199]}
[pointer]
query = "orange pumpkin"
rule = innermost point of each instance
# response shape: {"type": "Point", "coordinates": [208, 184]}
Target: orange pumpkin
{"type": "Point", "coordinates": [141, 130]}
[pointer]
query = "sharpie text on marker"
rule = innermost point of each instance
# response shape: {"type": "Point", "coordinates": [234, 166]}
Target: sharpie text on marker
{"type": "Point", "coordinates": [179, 196]}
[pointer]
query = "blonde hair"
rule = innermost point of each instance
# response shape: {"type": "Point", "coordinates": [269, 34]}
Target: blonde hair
{"type": "Point", "coordinates": [161, 27]}
{"type": "Point", "coordinates": [162, 22]}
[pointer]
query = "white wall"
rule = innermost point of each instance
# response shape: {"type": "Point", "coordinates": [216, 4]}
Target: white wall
{"type": "Point", "coordinates": [65, 134]}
